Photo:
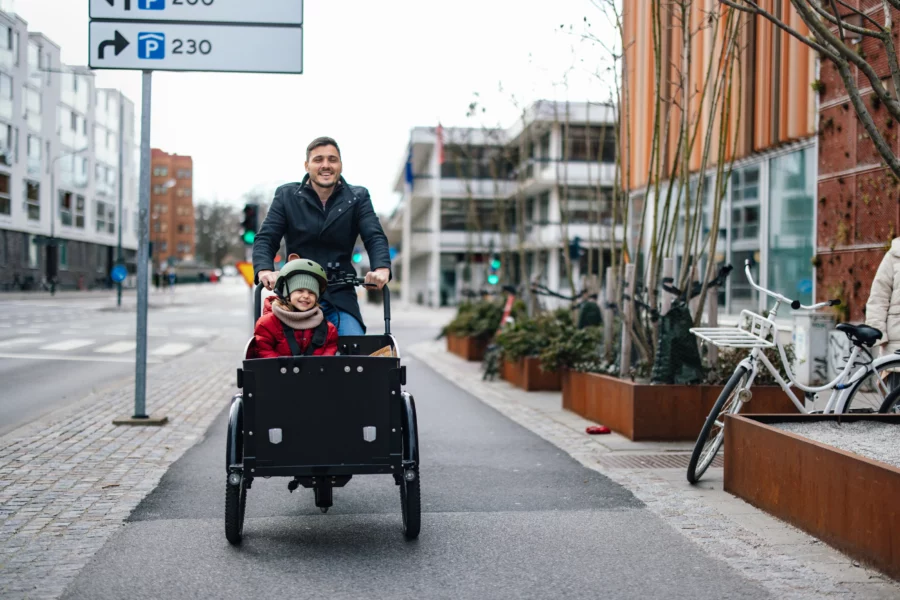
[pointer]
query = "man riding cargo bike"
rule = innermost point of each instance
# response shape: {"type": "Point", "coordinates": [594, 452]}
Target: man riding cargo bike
{"type": "Point", "coordinates": [308, 411]}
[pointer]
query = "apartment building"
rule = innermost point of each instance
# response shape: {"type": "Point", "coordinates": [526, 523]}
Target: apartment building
{"type": "Point", "coordinates": [171, 208]}
{"type": "Point", "coordinates": [460, 188]}
{"type": "Point", "coordinates": [68, 170]}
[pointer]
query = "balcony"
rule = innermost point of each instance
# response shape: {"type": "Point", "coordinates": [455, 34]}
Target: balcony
{"type": "Point", "coordinates": [461, 188]}
{"type": "Point", "coordinates": [550, 236]}
{"type": "Point", "coordinates": [460, 241]}
{"type": "Point", "coordinates": [578, 173]}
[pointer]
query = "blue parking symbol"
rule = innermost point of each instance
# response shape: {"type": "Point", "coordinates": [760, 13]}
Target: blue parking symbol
{"type": "Point", "coordinates": [152, 4]}
{"type": "Point", "coordinates": [151, 45]}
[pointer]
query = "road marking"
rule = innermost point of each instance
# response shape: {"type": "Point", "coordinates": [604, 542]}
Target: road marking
{"type": "Point", "coordinates": [21, 340]}
{"type": "Point", "coordinates": [76, 358]}
{"type": "Point", "coordinates": [172, 349]}
{"type": "Point", "coordinates": [80, 326]}
{"type": "Point", "coordinates": [158, 331]}
{"type": "Point", "coordinates": [117, 348]}
{"type": "Point", "coordinates": [68, 345]}
{"type": "Point", "coordinates": [196, 332]}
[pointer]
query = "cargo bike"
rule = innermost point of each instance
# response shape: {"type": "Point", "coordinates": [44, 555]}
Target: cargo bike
{"type": "Point", "coordinates": [320, 420]}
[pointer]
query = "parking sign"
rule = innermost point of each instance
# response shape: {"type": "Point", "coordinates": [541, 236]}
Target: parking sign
{"type": "Point", "coordinates": [152, 4]}
{"type": "Point", "coordinates": [151, 46]}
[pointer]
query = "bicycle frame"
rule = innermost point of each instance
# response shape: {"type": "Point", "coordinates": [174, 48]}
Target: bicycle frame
{"type": "Point", "coordinates": [840, 386]}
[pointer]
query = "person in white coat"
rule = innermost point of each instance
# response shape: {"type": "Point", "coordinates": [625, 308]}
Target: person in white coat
{"type": "Point", "coordinates": [883, 306]}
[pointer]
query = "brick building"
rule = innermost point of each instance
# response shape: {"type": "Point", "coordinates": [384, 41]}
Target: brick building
{"type": "Point", "coordinates": [171, 208]}
{"type": "Point", "coordinates": [858, 207]}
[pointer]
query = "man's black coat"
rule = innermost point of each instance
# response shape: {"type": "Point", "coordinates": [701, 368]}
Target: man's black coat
{"type": "Point", "coordinates": [323, 234]}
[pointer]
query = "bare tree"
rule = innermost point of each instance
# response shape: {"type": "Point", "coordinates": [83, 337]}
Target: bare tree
{"type": "Point", "coordinates": [218, 231]}
{"type": "Point", "coordinates": [838, 32]}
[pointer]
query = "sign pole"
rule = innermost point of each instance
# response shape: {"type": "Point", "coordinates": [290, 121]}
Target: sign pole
{"type": "Point", "coordinates": [140, 416]}
{"type": "Point", "coordinates": [140, 377]}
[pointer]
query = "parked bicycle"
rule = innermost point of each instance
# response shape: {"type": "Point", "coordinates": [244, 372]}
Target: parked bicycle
{"type": "Point", "coordinates": [865, 390]}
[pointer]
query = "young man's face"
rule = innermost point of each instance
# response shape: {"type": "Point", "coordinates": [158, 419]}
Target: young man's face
{"type": "Point", "coordinates": [324, 166]}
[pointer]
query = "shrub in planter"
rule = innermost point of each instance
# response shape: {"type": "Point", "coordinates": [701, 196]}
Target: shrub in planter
{"type": "Point", "coordinates": [528, 337]}
{"type": "Point", "coordinates": [573, 348]}
{"type": "Point", "coordinates": [475, 319]}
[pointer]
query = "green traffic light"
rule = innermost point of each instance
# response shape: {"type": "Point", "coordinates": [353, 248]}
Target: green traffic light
{"type": "Point", "coordinates": [357, 257]}
{"type": "Point", "coordinates": [493, 279]}
{"type": "Point", "coordinates": [249, 236]}
{"type": "Point", "coordinates": [495, 264]}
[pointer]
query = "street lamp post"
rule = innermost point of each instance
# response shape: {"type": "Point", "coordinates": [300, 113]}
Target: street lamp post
{"type": "Point", "coordinates": [53, 205]}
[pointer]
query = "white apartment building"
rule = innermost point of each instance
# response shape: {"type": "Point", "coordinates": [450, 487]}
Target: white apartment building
{"type": "Point", "coordinates": [60, 171]}
{"type": "Point", "coordinates": [455, 212]}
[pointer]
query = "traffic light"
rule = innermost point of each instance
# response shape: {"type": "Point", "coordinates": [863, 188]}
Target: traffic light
{"type": "Point", "coordinates": [357, 256]}
{"type": "Point", "coordinates": [575, 249]}
{"type": "Point", "coordinates": [494, 272]}
{"type": "Point", "coordinates": [250, 223]}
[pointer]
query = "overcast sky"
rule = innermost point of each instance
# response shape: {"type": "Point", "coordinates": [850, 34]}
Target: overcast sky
{"type": "Point", "coordinates": [372, 69]}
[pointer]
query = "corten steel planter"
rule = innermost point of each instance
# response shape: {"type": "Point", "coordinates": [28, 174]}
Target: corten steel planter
{"type": "Point", "coordinates": [526, 373]}
{"type": "Point", "coordinates": [846, 500]}
{"type": "Point", "coordinates": [664, 413]}
{"type": "Point", "coordinates": [467, 348]}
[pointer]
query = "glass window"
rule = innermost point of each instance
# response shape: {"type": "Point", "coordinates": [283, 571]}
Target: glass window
{"type": "Point", "coordinates": [33, 251]}
{"type": "Point", "coordinates": [791, 224]}
{"type": "Point", "coordinates": [745, 242]}
{"type": "Point", "coordinates": [66, 201]}
{"type": "Point", "coordinates": [101, 216]}
{"type": "Point", "coordinates": [64, 256]}
{"type": "Point", "coordinates": [5, 202]}
{"type": "Point", "coordinates": [79, 212]}
{"type": "Point", "coordinates": [7, 145]}
{"type": "Point", "coordinates": [33, 200]}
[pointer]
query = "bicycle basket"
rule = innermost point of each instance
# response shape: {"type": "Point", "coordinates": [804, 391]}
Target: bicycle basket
{"type": "Point", "coordinates": [753, 331]}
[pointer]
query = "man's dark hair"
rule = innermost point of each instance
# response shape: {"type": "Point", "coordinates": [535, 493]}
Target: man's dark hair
{"type": "Point", "coordinates": [319, 142]}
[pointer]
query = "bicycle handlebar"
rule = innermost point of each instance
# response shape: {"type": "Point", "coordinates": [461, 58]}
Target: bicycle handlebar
{"type": "Point", "coordinates": [794, 304]}
{"type": "Point", "coordinates": [349, 280]}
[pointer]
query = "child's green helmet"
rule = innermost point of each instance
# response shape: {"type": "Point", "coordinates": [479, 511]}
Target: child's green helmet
{"type": "Point", "coordinates": [301, 274]}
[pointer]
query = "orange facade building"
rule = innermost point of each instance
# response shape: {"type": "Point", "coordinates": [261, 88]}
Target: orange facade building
{"type": "Point", "coordinates": [771, 89]}
{"type": "Point", "coordinates": [171, 208]}
{"type": "Point", "coordinates": [768, 213]}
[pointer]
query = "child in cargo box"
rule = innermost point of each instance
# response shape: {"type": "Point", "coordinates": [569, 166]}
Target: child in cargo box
{"type": "Point", "coordinates": [296, 325]}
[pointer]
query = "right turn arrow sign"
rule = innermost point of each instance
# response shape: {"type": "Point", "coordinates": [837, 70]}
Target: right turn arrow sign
{"type": "Point", "coordinates": [119, 44]}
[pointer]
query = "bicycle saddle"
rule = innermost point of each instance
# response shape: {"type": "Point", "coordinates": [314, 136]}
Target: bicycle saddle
{"type": "Point", "coordinates": [861, 335]}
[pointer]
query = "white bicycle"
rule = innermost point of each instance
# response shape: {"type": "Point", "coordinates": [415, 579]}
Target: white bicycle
{"type": "Point", "coordinates": [866, 390]}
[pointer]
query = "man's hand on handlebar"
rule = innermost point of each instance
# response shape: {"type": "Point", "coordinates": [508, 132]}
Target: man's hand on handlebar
{"type": "Point", "coordinates": [378, 277]}
{"type": "Point", "coordinates": [268, 279]}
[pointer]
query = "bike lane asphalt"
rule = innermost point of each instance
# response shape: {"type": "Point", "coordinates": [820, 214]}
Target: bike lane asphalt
{"type": "Point", "coordinates": [506, 514]}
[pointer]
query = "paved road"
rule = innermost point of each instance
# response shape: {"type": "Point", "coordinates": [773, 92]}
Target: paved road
{"type": "Point", "coordinates": [506, 515]}
{"type": "Point", "coordinates": [54, 351]}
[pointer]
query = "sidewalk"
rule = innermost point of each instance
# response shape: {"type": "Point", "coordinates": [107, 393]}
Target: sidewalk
{"type": "Point", "coordinates": [781, 558]}
{"type": "Point", "coordinates": [69, 480]}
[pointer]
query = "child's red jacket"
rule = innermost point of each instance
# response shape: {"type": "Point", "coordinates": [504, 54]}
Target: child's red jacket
{"type": "Point", "coordinates": [269, 340]}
